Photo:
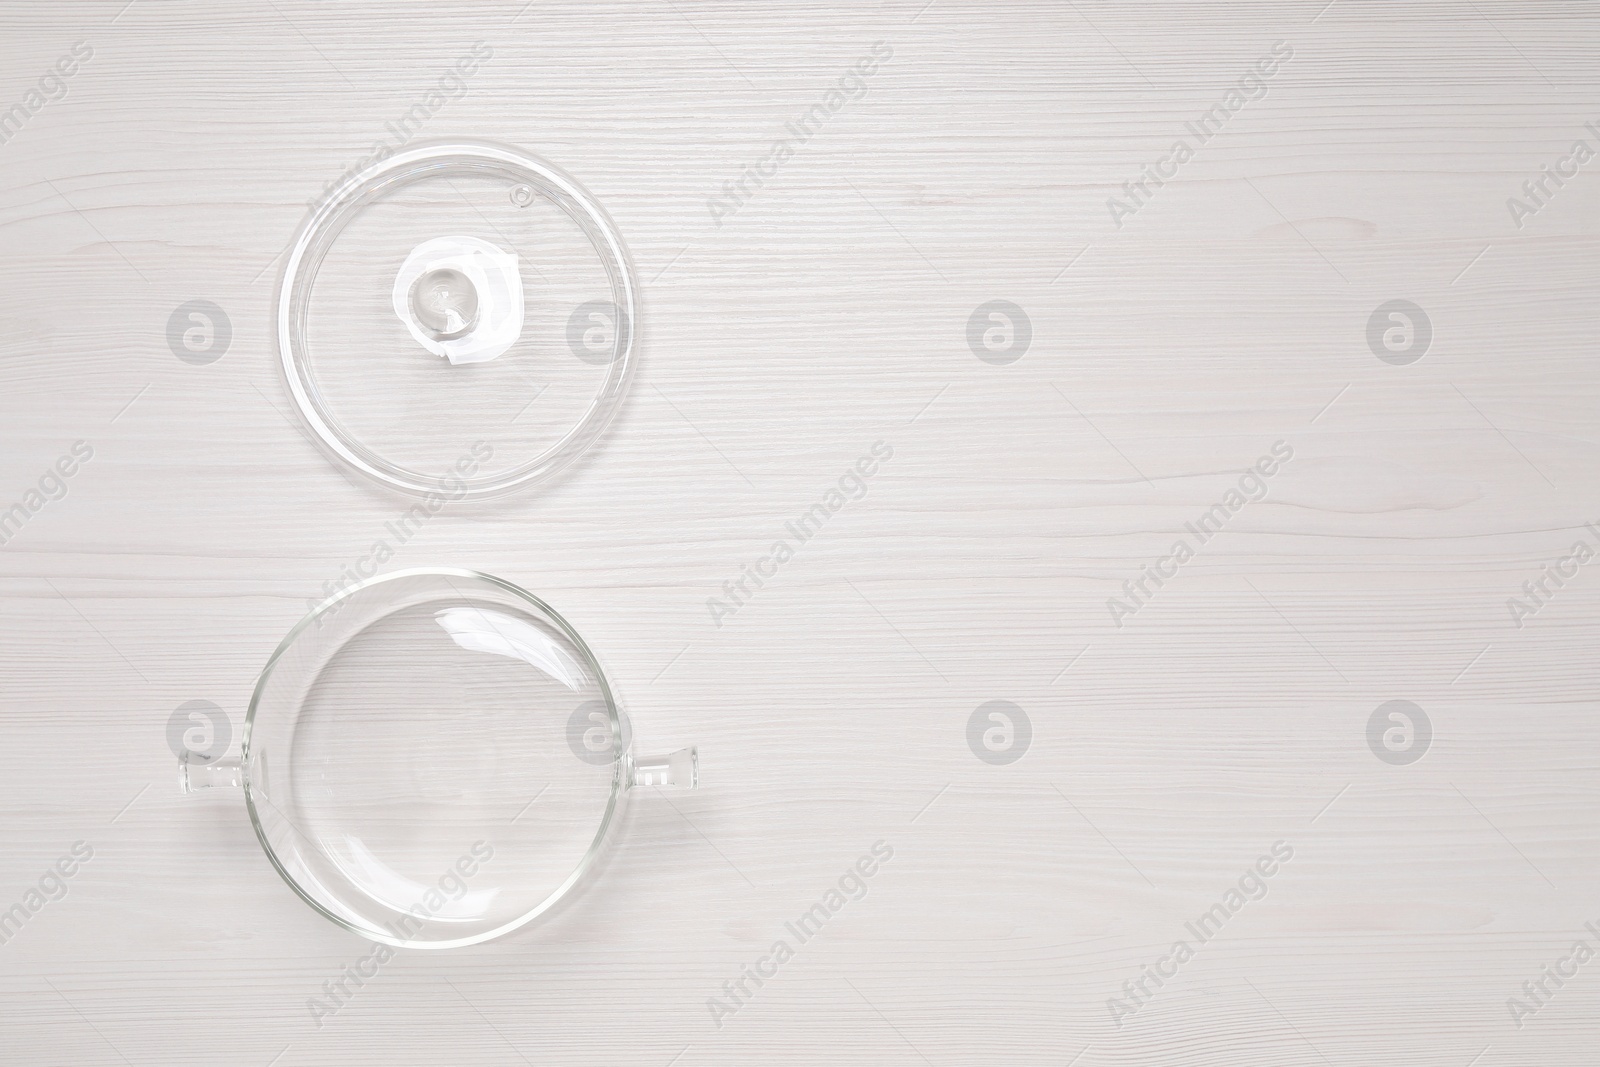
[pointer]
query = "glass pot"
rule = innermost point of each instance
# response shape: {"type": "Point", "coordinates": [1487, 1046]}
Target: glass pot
{"type": "Point", "coordinates": [434, 758]}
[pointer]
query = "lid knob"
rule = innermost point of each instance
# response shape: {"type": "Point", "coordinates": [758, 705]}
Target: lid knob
{"type": "Point", "coordinates": [445, 303]}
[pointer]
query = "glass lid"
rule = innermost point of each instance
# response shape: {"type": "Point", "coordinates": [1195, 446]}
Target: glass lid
{"type": "Point", "coordinates": [457, 319]}
{"type": "Point", "coordinates": [434, 758]}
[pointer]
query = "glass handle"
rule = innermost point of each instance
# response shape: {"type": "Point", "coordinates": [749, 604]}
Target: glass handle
{"type": "Point", "coordinates": [196, 773]}
{"type": "Point", "coordinates": [679, 770]}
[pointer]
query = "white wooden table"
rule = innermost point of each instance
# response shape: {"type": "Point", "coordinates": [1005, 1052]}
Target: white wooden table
{"type": "Point", "coordinates": [1229, 710]}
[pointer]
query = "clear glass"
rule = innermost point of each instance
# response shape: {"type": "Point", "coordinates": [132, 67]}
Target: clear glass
{"type": "Point", "coordinates": [435, 758]}
{"type": "Point", "coordinates": [383, 406]}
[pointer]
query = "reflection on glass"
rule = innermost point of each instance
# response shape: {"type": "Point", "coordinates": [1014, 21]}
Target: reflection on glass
{"type": "Point", "coordinates": [485, 630]}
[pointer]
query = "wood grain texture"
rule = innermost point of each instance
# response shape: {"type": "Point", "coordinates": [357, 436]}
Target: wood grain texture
{"type": "Point", "coordinates": [828, 313]}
